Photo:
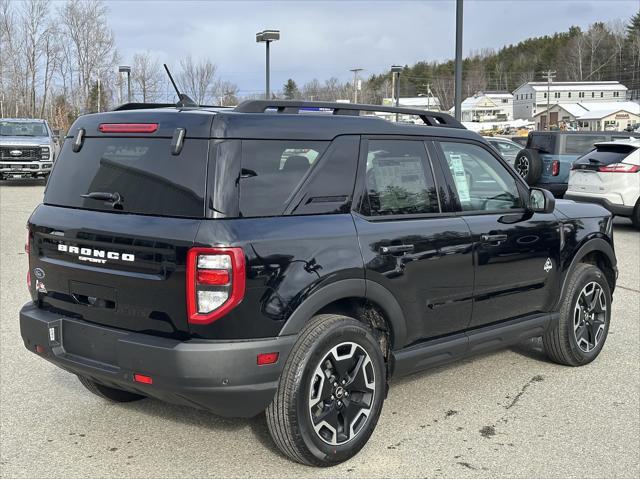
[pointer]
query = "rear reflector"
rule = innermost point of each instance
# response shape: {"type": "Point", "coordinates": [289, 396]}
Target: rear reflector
{"type": "Point", "coordinates": [555, 168]}
{"type": "Point", "coordinates": [141, 378]}
{"type": "Point", "coordinates": [128, 127]}
{"type": "Point", "coordinates": [619, 168]}
{"type": "Point", "coordinates": [267, 358]}
{"type": "Point", "coordinates": [40, 349]}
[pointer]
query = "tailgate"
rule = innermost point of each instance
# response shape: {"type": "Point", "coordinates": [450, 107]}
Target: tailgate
{"type": "Point", "coordinates": [120, 270]}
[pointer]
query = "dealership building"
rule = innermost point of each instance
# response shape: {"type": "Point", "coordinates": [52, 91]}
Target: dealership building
{"type": "Point", "coordinates": [531, 98]}
{"type": "Point", "coordinates": [590, 116]}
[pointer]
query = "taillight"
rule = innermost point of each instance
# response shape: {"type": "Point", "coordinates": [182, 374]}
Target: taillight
{"type": "Point", "coordinates": [128, 127]}
{"type": "Point", "coordinates": [619, 168]}
{"type": "Point", "coordinates": [555, 168]}
{"type": "Point", "coordinates": [215, 282]}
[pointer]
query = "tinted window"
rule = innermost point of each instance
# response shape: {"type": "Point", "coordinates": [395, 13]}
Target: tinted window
{"type": "Point", "coordinates": [148, 178]}
{"type": "Point", "coordinates": [580, 144]}
{"type": "Point", "coordinates": [399, 179]}
{"type": "Point", "coordinates": [607, 154]}
{"type": "Point", "coordinates": [481, 181]}
{"type": "Point", "coordinates": [543, 143]}
{"type": "Point", "coordinates": [272, 171]}
{"type": "Point", "coordinates": [330, 185]}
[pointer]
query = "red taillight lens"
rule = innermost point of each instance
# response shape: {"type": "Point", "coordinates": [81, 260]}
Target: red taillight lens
{"type": "Point", "coordinates": [128, 127]}
{"type": "Point", "coordinates": [555, 168]}
{"type": "Point", "coordinates": [216, 280]}
{"type": "Point", "coordinates": [619, 168]}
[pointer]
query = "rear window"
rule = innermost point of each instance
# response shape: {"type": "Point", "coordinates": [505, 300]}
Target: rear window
{"type": "Point", "coordinates": [607, 154]}
{"type": "Point", "coordinates": [580, 144]}
{"type": "Point", "coordinates": [144, 173]}
{"type": "Point", "coordinates": [272, 171]}
{"type": "Point", "coordinates": [544, 143]}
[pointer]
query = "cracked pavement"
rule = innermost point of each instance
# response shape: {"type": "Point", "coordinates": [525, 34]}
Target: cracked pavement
{"type": "Point", "coordinates": [505, 414]}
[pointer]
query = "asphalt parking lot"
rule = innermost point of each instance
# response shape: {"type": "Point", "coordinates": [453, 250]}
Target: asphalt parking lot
{"type": "Point", "coordinates": [506, 414]}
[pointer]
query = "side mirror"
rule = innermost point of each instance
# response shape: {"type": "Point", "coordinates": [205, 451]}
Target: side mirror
{"type": "Point", "coordinates": [541, 201]}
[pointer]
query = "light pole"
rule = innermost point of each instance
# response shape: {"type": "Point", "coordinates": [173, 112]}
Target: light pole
{"type": "Point", "coordinates": [355, 83]}
{"type": "Point", "coordinates": [266, 37]}
{"type": "Point", "coordinates": [127, 70]}
{"type": "Point", "coordinates": [395, 71]}
{"type": "Point", "coordinates": [458, 82]}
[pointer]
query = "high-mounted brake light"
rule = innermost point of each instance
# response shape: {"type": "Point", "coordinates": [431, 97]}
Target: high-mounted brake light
{"type": "Point", "coordinates": [128, 127]}
{"type": "Point", "coordinates": [215, 282]}
{"type": "Point", "coordinates": [619, 168]}
{"type": "Point", "coordinates": [555, 168]}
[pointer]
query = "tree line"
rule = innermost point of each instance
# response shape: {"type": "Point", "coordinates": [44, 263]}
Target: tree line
{"type": "Point", "coordinates": [604, 51]}
{"type": "Point", "coordinates": [59, 60]}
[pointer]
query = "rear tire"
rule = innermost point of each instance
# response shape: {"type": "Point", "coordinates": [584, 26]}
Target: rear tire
{"type": "Point", "coordinates": [330, 393]}
{"type": "Point", "coordinates": [528, 165]}
{"type": "Point", "coordinates": [106, 392]}
{"type": "Point", "coordinates": [579, 334]}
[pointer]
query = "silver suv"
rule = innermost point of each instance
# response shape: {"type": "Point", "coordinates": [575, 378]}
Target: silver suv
{"type": "Point", "coordinates": [27, 148]}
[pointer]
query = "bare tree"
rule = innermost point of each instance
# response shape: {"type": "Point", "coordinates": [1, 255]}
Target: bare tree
{"type": "Point", "coordinates": [197, 79]}
{"type": "Point", "coordinates": [147, 76]}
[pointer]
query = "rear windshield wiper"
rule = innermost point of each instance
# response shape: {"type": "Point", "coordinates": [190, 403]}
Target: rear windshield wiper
{"type": "Point", "coordinates": [114, 197]}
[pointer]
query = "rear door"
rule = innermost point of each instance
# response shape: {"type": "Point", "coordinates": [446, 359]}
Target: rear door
{"type": "Point", "coordinates": [516, 254]}
{"type": "Point", "coordinates": [120, 263]}
{"type": "Point", "coordinates": [411, 243]}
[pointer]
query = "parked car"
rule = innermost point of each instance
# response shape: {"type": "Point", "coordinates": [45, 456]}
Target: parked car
{"type": "Point", "coordinates": [548, 156]}
{"type": "Point", "coordinates": [610, 176]}
{"type": "Point", "coordinates": [507, 148]}
{"type": "Point", "coordinates": [177, 256]}
{"type": "Point", "coordinates": [27, 148]}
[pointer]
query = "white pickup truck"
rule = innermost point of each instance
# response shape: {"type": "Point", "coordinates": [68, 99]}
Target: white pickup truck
{"type": "Point", "coordinates": [27, 148]}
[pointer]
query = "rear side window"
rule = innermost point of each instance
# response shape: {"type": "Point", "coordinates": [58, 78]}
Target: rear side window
{"type": "Point", "coordinates": [580, 144]}
{"type": "Point", "coordinates": [544, 143]}
{"type": "Point", "coordinates": [271, 172]}
{"type": "Point", "coordinates": [399, 179]}
{"type": "Point", "coordinates": [142, 171]}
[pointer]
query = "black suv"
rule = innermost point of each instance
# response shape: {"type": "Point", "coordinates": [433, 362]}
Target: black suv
{"type": "Point", "coordinates": [294, 257]}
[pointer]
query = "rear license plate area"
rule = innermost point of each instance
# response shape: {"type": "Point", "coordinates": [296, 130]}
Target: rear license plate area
{"type": "Point", "coordinates": [90, 342]}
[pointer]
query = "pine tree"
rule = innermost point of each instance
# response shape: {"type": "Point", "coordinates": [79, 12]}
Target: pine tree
{"type": "Point", "coordinates": [290, 89]}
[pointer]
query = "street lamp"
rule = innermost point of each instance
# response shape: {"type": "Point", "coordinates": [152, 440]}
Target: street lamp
{"type": "Point", "coordinates": [395, 71]}
{"type": "Point", "coordinates": [266, 37]}
{"type": "Point", "coordinates": [127, 70]}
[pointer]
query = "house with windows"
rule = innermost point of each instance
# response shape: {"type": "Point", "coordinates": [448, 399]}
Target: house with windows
{"type": "Point", "coordinates": [530, 98]}
{"type": "Point", "coordinates": [487, 106]}
{"type": "Point", "coordinates": [590, 116]}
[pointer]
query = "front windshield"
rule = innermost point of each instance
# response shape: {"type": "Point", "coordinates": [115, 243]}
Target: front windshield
{"type": "Point", "coordinates": [22, 128]}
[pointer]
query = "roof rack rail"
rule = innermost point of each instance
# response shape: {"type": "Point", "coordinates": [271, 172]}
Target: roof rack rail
{"type": "Point", "coordinates": [144, 106]}
{"type": "Point", "coordinates": [430, 118]}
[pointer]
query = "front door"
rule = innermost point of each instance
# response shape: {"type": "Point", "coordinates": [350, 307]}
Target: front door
{"type": "Point", "coordinates": [411, 244]}
{"type": "Point", "coordinates": [516, 253]}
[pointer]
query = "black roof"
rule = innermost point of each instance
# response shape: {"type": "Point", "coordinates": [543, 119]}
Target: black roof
{"type": "Point", "coordinates": [275, 119]}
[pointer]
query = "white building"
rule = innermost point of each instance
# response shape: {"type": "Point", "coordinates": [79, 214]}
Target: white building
{"type": "Point", "coordinates": [530, 98]}
{"type": "Point", "coordinates": [487, 106]}
{"type": "Point", "coordinates": [430, 103]}
{"type": "Point", "coordinates": [591, 116]}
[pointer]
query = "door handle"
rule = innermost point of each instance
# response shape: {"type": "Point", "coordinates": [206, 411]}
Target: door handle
{"type": "Point", "coordinates": [395, 249]}
{"type": "Point", "coordinates": [493, 239]}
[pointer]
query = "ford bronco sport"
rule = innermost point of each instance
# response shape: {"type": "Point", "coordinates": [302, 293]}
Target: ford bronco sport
{"type": "Point", "coordinates": [293, 257]}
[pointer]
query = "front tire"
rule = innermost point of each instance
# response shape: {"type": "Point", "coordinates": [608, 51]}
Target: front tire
{"type": "Point", "coordinates": [330, 393]}
{"type": "Point", "coordinates": [579, 335]}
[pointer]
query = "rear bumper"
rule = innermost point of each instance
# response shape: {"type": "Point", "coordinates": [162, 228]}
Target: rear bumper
{"type": "Point", "coordinates": [614, 208]}
{"type": "Point", "coordinates": [27, 168]}
{"type": "Point", "coordinates": [220, 376]}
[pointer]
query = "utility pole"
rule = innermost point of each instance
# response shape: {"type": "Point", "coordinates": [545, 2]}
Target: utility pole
{"type": "Point", "coordinates": [549, 76]}
{"type": "Point", "coordinates": [355, 83]}
{"type": "Point", "coordinates": [458, 85]}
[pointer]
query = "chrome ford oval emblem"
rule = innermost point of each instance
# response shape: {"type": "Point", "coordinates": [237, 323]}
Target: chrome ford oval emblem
{"type": "Point", "coordinates": [15, 152]}
{"type": "Point", "coordinates": [38, 273]}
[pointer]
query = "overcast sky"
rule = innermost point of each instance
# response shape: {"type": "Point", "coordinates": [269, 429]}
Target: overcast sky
{"type": "Point", "coordinates": [324, 39]}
